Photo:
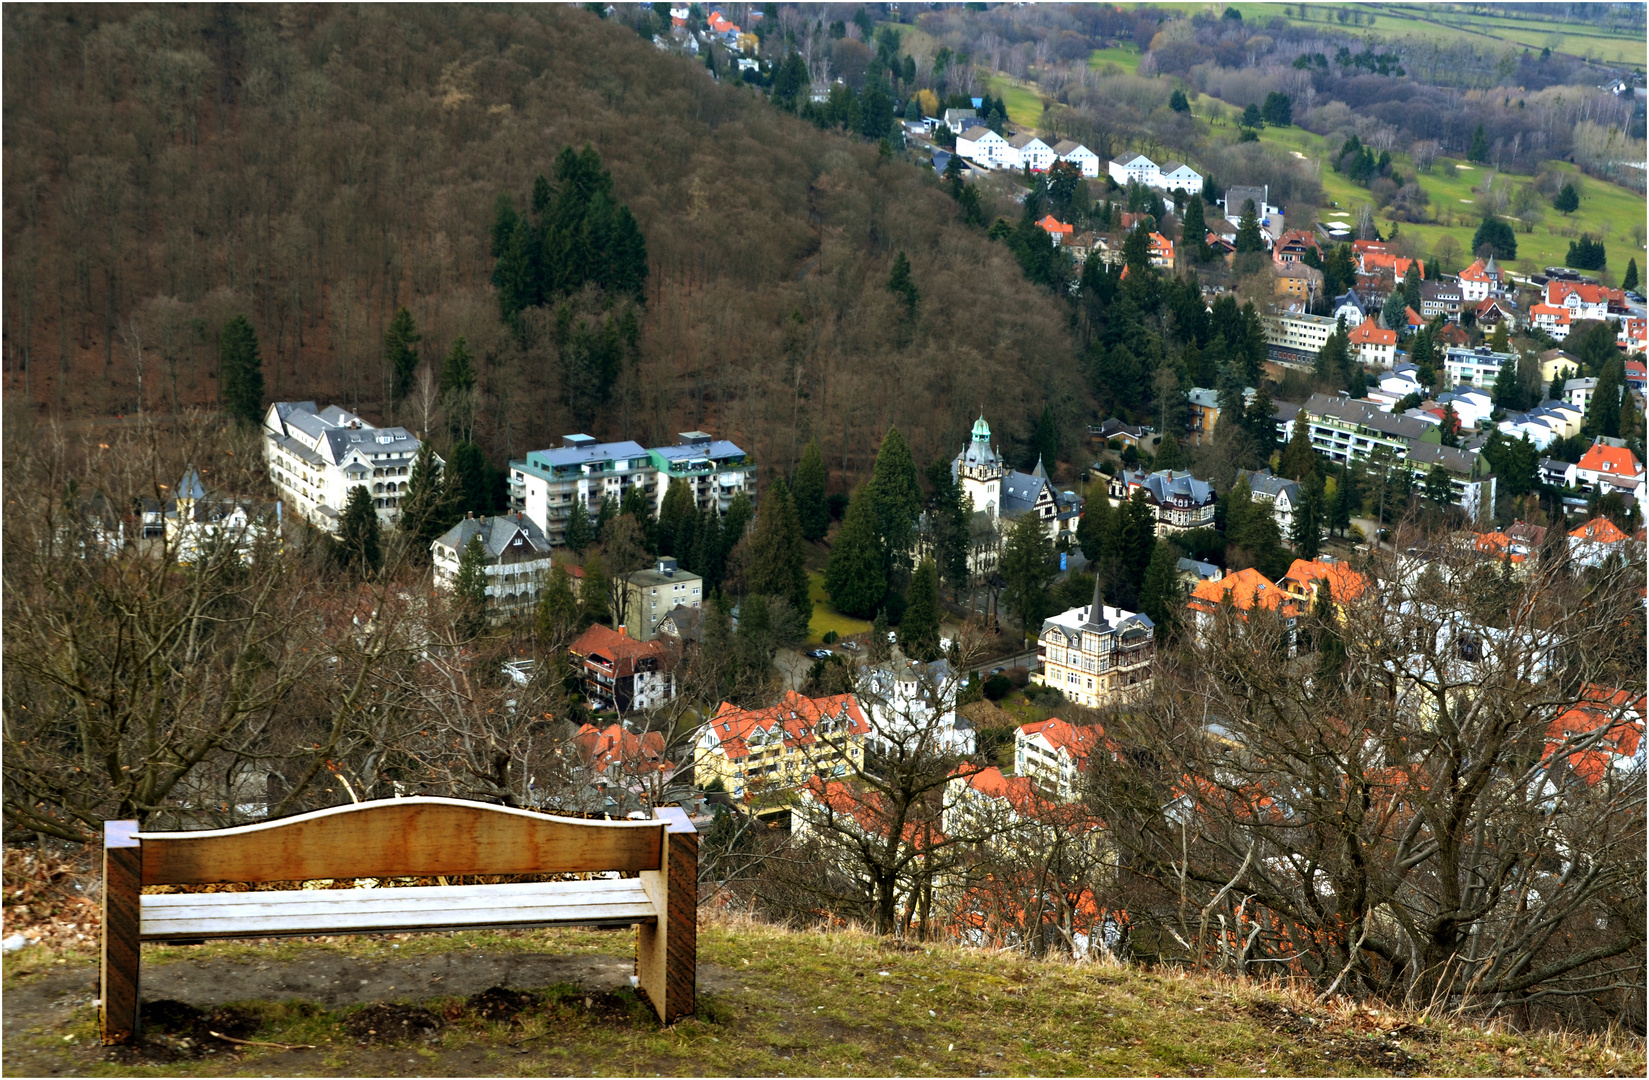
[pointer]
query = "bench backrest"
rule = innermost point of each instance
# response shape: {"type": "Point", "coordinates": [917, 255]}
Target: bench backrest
{"type": "Point", "coordinates": [401, 838]}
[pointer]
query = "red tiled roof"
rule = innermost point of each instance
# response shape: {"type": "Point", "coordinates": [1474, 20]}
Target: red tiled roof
{"type": "Point", "coordinates": [1619, 712]}
{"type": "Point", "coordinates": [613, 745]}
{"type": "Point", "coordinates": [1054, 225]}
{"type": "Point", "coordinates": [1245, 589]}
{"type": "Point", "coordinates": [1366, 333]}
{"type": "Point", "coordinates": [1599, 530]}
{"type": "Point", "coordinates": [797, 715]}
{"type": "Point", "coordinates": [617, 647]}
{"type": "Point", "coordinates": [866, 808]}
{"type": "Point", "coordinates": [1614, 460]}
{"type": "Point", "coordinates": [1074, 741]}
{"type": "Point", "coordinates": [1344, 583]}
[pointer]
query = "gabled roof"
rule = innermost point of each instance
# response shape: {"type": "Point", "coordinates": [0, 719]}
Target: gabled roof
{"type": "Point", "coordinates": [1067, 147]}
{"type": "Point", "coordinates": [1344, 583]}
{"type": "Point", "coordinates": [1590, 752]}
{"type": "Point", "coordinates": [1070, 740]}
{"type": "Point", "coordinates": [1246, 589]}
{"type": "Point", "coordinates": [1054, 225]}
{"type": "Point", "coordinates": [615, 745]}
{"type": "Point", "coordinates": [499, 535]}
{"type": "Point", "coordinates": [1267, 483]}
{"type": "Point", "coordinates": [1616, 460]}
{"type": "Point", "coordinates": [618, 649]}
{"type": "Point", "coordinates": [1600, 530]}
{"type": "Point", "coordinates": [794, 716]}
{"type": "Point", "coordinates": [1366, 333]}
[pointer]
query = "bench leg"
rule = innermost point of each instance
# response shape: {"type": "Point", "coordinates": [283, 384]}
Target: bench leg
{"type": "Point", "coordinates": [667, 952]}
{"type": "Point", "coordinates": [122, 885]}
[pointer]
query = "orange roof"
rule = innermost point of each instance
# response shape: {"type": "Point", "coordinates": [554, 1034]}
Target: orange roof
{"type": "Point", "coordinates": [797, 715]}
{"type": "Point", "coordinates": [1366, 333]}
{"type": "Point", "coordinates": [615, 646]}
{"type": "Point", "coordinates": [1344, 583]}
{"type": "Point", "coordinates": [1615, 460]}
{"type": "Point", "coordinates": [1561, 314]}
{"type": "Point", "coordinates": [1617, 711]}
{"type": "Point", "coordinates": [1244, 589]}
{"type": "Point", "coordinates": [1362, 247]}
{"type": "Point", "coordinates": [614, 745]}
{"type": "Point", "coordinates": [1599, 530]}
{"type": "Point", "coordinates": [866, 808]}
{"type": "Point", "coordinates": [1414, 318]}
{"type": "Point", "coordinates": [1397, 264]}
{"type": "Point", "coordinates": [1054, 225]}
{"type": "Point", "coordinates": [1478, 272]}
{"type": "Point", "coordinates": [1162, 245]}
{"type": "Point", "coordinates": [1558, 291]}
{"type": "Point", "coordinates": [1075, 742]}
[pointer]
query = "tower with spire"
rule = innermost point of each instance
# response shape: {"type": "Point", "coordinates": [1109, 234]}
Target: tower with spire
{"type": "Point", "coordinates": [979, 470]}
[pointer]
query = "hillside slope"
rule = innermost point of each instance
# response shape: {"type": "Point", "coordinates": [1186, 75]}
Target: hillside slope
{"type": "Point", "coordinates": [772, 1002]}
{"type": "Point", "coordinates": [315, 168]}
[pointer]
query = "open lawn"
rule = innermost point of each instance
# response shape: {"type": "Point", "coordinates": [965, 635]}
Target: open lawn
{"type": "Point", "coordinates": [1125, 57]}
{"type": "Point", "coordinates": [825, 617]}
{"type": "Point", "coordinates": [1607, 210]}
{"type": "Point", "coordinates": [772, 1002]}
{"type": "Point", "coordinates": [1024, 104]}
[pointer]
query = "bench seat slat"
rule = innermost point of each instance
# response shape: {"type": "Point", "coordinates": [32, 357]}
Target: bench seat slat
{"type": "Point", "coordinates": [320, 911]}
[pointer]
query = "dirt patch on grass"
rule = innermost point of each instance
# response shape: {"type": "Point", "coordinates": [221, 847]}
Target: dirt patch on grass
{"type": "Point", "coordinates": [174, 1030]}
{"type": "Point", "coordinates": [386, 1022]}
{"type": "Point", "coordinates": [1316, 1034]}
{"type": "Point", "coordinates": [497, 1003]}
{"type": "Point", "coordinates": [1285, 1021]}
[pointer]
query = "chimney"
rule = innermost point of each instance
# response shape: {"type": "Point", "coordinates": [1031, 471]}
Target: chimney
{"type": "Point", "coordinates": [621, 631]}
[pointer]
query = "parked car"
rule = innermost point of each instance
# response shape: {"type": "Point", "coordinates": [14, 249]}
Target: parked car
{"type": "Point", "coordinates": [851, 646]}
{"type": "Point", "coordinates": [818, 654]}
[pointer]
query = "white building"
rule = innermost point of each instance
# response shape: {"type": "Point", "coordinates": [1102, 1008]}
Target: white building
{"type": "Point", "coordinates": [316, 456]}
{"type": "Point", "coordinates": [1028, 150]}
{"type": "Point", "coordinates": [912, 705]}
{"type": "Point", "coordinates": [985, 148]}
{"type": "Point", "coordinates": [1054, 754]}
{"type": "Point", "coordinates": [1278, 492]}
{"type": "Point", "coordinates": [1471, 405]}
{"type": "Point", "coordinates": [1178, 176]}
{"type": "Point", "coordinates": [517, 559]}
{"type": "Point", "coordinates": [198, 524]}
{"type": "Point", "coordinates": [956, 119]}
{"type": "Point", "coordinates": [1135, 167]}
{"type": "Point", "coordinates": [1374, 347]}
{"type": "Point", "coordinates": [1096, 655]}
{"type": "Point", "coordinates": [1078, 155]}
{"type": "Point", "coordinates": [1301, 335]}
{"type": "Point", "coordinates": [1474, 367]}
{"type": "Point", "coordinates": [1578, 392]}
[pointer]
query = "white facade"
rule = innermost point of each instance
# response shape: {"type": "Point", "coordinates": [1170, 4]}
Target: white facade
{"type": "Point", "coordinates": [1474, 367]}
{"type": "Point", "coordinates": [1578, 392]}
{"type": "Point", "coordinates": [1080, 156]}
{"type": "Point", "coordinates": [1096, 655]}
{"type": "Point", "coordinates": [1136, 167]}
{"type": "Point", "coordinates": [1032, 151]}
{"type": "Point", "coordinates": [1177, 176]}
{"type": "Point", "coordinates": [1302, 333]}
{"type": "Point", "coordinates": [913, 705]}
{"type": "Point", "coordinates": [985, 148]}
{"type": "Point", "coordinates": [517, 559]}
{"type": "Point", "coordinates": [316, 456]}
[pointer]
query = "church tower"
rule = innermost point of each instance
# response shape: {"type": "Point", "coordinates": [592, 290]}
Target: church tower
{"type": "Point", "coordinates": [979, 471]}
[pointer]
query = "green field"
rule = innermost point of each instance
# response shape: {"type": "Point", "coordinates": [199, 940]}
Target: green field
{"type": "Point", "coordinates": [1450, 23]}
{"type": "Point", "coordinates": [825, 617]}
{"type": "Point", "coordinates": [1607, 210]}
{"type": "Point", "coordinates": [1125, 57]}
{"type": "Point", "coordinates": [1024, 103]}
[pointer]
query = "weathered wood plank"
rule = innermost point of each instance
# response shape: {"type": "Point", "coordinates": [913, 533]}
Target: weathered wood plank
{"type": "Point", "coordinates": [122, 875]}
{"type": "Point", "coordinates": [322, 900]}
{"type": "Point", "coordinates": [667, 951]}
{"type": "Point", "coordinates": [400, 838]}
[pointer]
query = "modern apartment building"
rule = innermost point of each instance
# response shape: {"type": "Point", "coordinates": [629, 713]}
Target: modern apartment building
{"type": "Point", "coordinates": [1475, 367]}
{"type": "Point", "coordinates": [1297, 339]}
{"type": "Point", "coordinates": [317, 455]}
{"type": "Point", "coordinates": [713, 468]}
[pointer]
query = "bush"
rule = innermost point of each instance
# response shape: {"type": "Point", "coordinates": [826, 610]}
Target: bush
{"type": "Point", "coordinates": [1587, 253]}
{"type": "Point", "coordinates": [831, 637]}
{"type": "Point", "coordinates": [1047, 697]}
{"type": "Point", "coordinates": [997, 687]}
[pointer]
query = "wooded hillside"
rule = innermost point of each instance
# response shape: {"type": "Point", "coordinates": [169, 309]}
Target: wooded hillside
{"type": "Point", "coordinates": [315, 168]}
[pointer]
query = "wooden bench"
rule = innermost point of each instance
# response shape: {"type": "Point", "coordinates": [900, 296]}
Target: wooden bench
{"type": "Point", "coordinates": [415, 837]}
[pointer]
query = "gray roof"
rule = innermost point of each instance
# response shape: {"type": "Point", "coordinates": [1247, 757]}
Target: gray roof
{"type": "Point", "coordinates": [190, 486]}
{"type": "Point", "coordinates": [1022, 140]}
{"type": "Point", "coordinates": [1020, 491]}
{"type": "Point", "coordinates": [941, 158]}
{"type": "Point", "coordinates": [1365, 415]}
{"type": "Point", "coordinates": [957, 114]}
{"type": "Point", "coordinates": [337, 429]}
{"type": "Point", "coordinates": [1165, 486]}
{"type": "Point", "coordinates": [1452, 458]}
{"type": "Point", "coordinates": [1066, 147]}
{"type": "Point", "coordinates": [589, 453]}
{"type": "Point", "coordinates": [1349, 297]}
{"type": "Point", "coordinates": [1201, 395]}
{"type": "Point", "coordinates": [1172, 166]}
{"type": "Point", "coordinates": [1267, 483]}
{"type": "Point", "coordinates": [1284, 411]}
{"type": "Point", "coordinates": [1203, 570]}
{"type": "Point", "coordinates": [497, 535]}
{"type": "Point", "coordinates": [717, 448]}
{"type": "Point", "coordinates": [1236, 196]}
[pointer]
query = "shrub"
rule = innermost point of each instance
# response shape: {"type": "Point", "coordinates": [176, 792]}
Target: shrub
{"type": "Point", "coordinates": [831, 637]}
{"type": "Point", "coordinates": [997, 687]}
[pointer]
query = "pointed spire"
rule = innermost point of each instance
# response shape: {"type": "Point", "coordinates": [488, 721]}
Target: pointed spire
{"type": "Point", "coordinates": [1096, 611]}
{"type": "Point", "coordinates": [1039, 472]}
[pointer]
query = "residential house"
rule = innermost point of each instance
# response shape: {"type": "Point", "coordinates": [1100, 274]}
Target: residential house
{"type": "Point", "coordinates": [1112, 428]}
{"type": "Point", "coordinates": [1236, 197]}
{"type": "Point", "coordinates": [1556, 365]}
{"type": "Point", "coordinates": [1178, 176]}
{"type": "Point", "coordinates": [1180, 501]}
{"type": "Point", "coordinates": [1583, 300]}
{"type": "Point", "coordinates": [317, 456]}
{"type": "Point", "coordinates": [1540, 426]}
{"type": "Point", "coordinates": [1475, 367]}
{"type": "Point", "coordinates": [1471, 406]}
{"type": "Point", "coordinates": [1297, 280]}
{"type": "Point", "coordinates": [984, 147]}
{"type": "Point", "coordinates": [1382, 263]}
{"type": "Point", "coordinates": [1555, 320]}
{"type": "Point", "coordinates": [1192, 572]}
{"type": "Point", "coordinates": [1162, 251]}
{"type": "Point", "coordinates": [1078, 155]}
{"type": "Point", "coordinates": [783, 745]}
{"type": "Point", "coordinates": [198, 525]}
{"type": "Point", "coordinates": [1346, 430]}
{"type": "Point", "coordinates": [1441, 298]}
{"type": "Point", "coordinates": [617, 761]}
{"type": "Point", "coordinates": [714, 469]}
{"type": "Point", "coordinates": [1599, 735]}
{"type": "Point", "coordinates": [1598, 540]}
{"type": "Point", "coordinates": [1493, 311]}
{"type": "Point", "coordinates": [1513, 546]}
{"type": "Point", "coordinates": [1374, 347]}
{"type": "Point", "coordinates": [1637, 378]}
{"type": "Point", "coordinates": [911, 707]}
{"type": "Point", "coordinates": [941, 158]}
{"type": "Point", "coordinates": [1578, 392]}
{"type": "Point", "coordinates": [1452, 333]}
{"type": "Point", "coordinates": [1278, 492]}
{"type": "Point", "coordinates": [1308, 580]}
{"type": "Point", "coordinates": [1056, 229]}
{"type": "Point", "coordinates": [650, 595]}
{"type": "Point", "coordinates": [1002, 495]}
{"type": "Point", "coordinates": [1293, 246]}
{"type": "Point", "coordinates": [1203, 406]}
{"type": "Point", "coordinates": [1632, 334]}
{"type": "Point", "coordinates": [1137, 168]}
{"type": "Point", "coordinates": [547, 485]}
{"type": "Point", "coordinates": [1554, 473]}
{"type": "Point", "coordinates": [1481, 280]}
{"type": "Point", "coordinates": [1095, 655]}
{"type": "Point", "coordinates": [1082, 244]}
{"type": "Point", "coordinates": [1245, 590]}
{"type": "Point", "coordinates": [1053, 755]}
{"type": "Point", "coordinates": [1031, 152]}
{"type": "Point", "coordinates": [620, 672]}
{"type": "Point", "coordinates": [1610, 465]}
{"type": "Point", "coordinates": [517, 558]}
{"type": "Point", "coordinates": [1400, 382]}
{"type": "Point", "coordinates": [954, 117]}
{"type": "Point", "coordinates": [1349, 307]}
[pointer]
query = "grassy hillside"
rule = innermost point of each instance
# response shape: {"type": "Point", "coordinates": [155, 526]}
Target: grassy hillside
{"type": "Point", "coordinates": [1607, 210]}
{"type": "Point", "coordinates": [317, 168]}
{"type": "Point", "coordinates": [772, 1002]}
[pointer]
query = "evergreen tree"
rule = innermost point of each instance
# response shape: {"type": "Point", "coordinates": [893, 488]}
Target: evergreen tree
{"type": "Point", "coordinates": [809, 492]}
{"type": "Point", "coordinates": [1437, 490]}
{"type": "Point", "coordinates": [896, 497]}
{"type": "Point", "coordinates": [919, 628]}
{"type": "Point", "coordinates": [1091, 528]}
{"type": "Point", "coordinates": [1278, 109]}
{"type": "Point", "coordinates": [1252, 118]}
{"type": "Point", "coordinates": [1347, 501]}
{"type": "Point", "coordinates": [1479, 150]}
{"type": "Point", "coordinates": [558, 611]}
{"type": "Point", "coordinates": [605, 512]}
{"type": "Point", "coordinates": [756, 641]}
{"type": "Point", "coordinates": [467, 488]}
{"type": "Point", "coordinates": [778, 561]}
{"type": "Point", "coordinates": [900, 284]}
{"type": "Point", "coordinates": [1306, 532]}
{"type": "Point", "coordinates": [1501, 339]}
{"type": "Point", "coordinates": [1587, 253]}
{"type": "Point", "coordinates": [1603, 411]}
{"type": "Point", "coordinates": [1028, 567]}
{"type": "Point", "coordinates": [1045, 441]}
{"type": "Point", "coordinates": [1194, 232]}
{"type": "Point", "coordinates": [1170, 454]}
{"type": "Point", "coordinates": [856, 576]}
{"type": "Point", "coordinates": [1249, 239]}
{"type": "Point", "coordinates": [1300, 460]}
{"type": "Point", "coordinates": [426, 510]}
{"type": "Point", "coordinates": [594, 600]}
{"type": "Point", "coordinates": [878, 651]}
{"type": "Point", "coordinates": [240, 371]}
{"type": "Point", "coordinates": [399, 353]}
{"type": "Point", "coordinates": [1334, 358]}
{"type": "Point", "coordinates": [360, 544]}
{"type": "Point", "coordinates": [1567, 200]}
{"type": "Point", "coordinates": [734, 522]}
{"type": "Point", "coordinates": [1630, 281]}
{"type": "Point", "coordinates": [457, 390]}
{"type": "Point", "coordinates": [579, 532]}
{"type": "Point", "coordinates": [673, 514]}
{"type": "Point", "coordinates": [470, 587]}
{"type": "Point", "coordinates": [1497, 235]}
{"type": "Point", "coordinates": [1508, 388]}
{"type": "Point", "coordinates": [1393, 313]}
{"type": "Point", "coordinates": [1160, 596]}
{"type": "Point", "coordinates": [948, 519]}
{"type": "Point", "coordinates": [1178, 102]}
{"type": "Point", "coordinates": [709, 550]}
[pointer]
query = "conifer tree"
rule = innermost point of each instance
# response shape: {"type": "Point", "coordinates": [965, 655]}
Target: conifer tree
{"type": "Point", "coordinates": [1567, 200]}
{"type": "Point", "coordinates": [1159, 593]}
{"type": "Point", "coordinates": [1194, 232]}
{"type": "Point", "coordinates": [856, 576]}
{"type": "Point", "coordinates": [466, 481]}
{"type": "Point", "coordinates": [1630, 281]}
{"type": "Point", "coordinates": [360, 543]}
{"type": "Point", "coordinates": [778, 562]}
{"type": "Point", "coordinates": [896, 497]}
{"type": "Point", "coordinates": [900, 284]}
{"type": "Point", "coordinates": [1603, 411]}
{"type": "Point", "coordinates": [709, 550]}
{"type": "Point", "coordinates": [1479, 149]}
{"type": "Point", "coordinates": [1249, 239]}
{"type": "Point", "coordinates": [919, 628]}
{"type": "Point", "coordinates": [470, 587]}
{"type": "Point", "coordinates": [1347, 501]}
{"type": "Point", "coordinates": [1170, 454]}
{"type": "Point", "coordinates": [673, 514]}
{"type": "Point", "coordinates": [735, 521]}
{"type": "Point", "coordinates": [1092, 527]}
{"type": "Point", "coordinates": [1045, 441]}
{"type": "Point", "coordinates": [1437, 490]}
{"type": "Point", "coordinates": [558, 611]}
{"type": "Point", "coordinates": [1028, 567]}
{"type": "Point", "coordinates": [457, 389]}
{"type": "Point", "coordinates": [878, 651]}
{"type": "Point", "coordinates": [1306, 530]}
{"type": "Point", "coordinates": [426, 508]}
{"type": "Point", "coordinates": [594, 601]}
{"type": "Point", "coordinates": [1300, 459]}
{"type": "Point", "coordinates": [579, 532]}
{"type": "Point", "coordinates": [240, 371]}
{"type": "Point", "coordinates": [948, 520]}
{"type": "Point", "coordinates": [812, 510]}
{"type": "Point", "coordinates": [605, 512]}
{"type": "Point", "coordinates": [399, 353]}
